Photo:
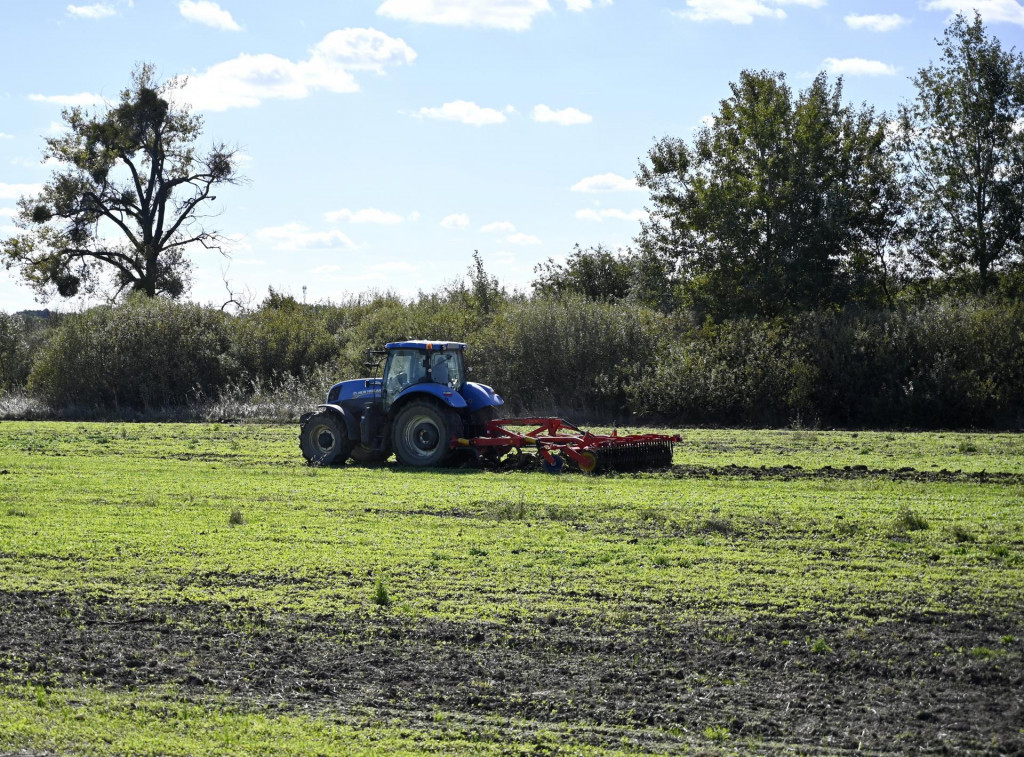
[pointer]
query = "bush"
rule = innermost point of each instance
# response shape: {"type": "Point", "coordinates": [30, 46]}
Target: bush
{"type": "Point", "coordinates": [143, 354]}
{"type": "Point", "coordinates": [568, 354]}
{"type": "Point", "coordinates": [746, 371]}
{"type": "Point", "coordinates": [21, 336]}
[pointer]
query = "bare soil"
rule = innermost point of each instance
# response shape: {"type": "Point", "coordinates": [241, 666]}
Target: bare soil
{"type": "Point", "coordinates": [925, 684]}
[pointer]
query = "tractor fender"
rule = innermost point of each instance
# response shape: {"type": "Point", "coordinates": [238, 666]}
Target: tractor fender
{"type": "Point", "coordinates": [479, 396]}
{"type": "Point", "coordinates": [443, 394]}
{"type": "Point", "coordinates": [351, 422]}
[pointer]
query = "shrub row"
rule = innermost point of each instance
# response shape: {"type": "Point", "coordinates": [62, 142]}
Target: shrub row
{"type": "Point", "coordinates": [940, 365]}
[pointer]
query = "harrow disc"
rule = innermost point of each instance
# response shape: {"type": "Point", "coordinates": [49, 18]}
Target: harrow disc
{"type": "Point", "coordinates": [635, 456]}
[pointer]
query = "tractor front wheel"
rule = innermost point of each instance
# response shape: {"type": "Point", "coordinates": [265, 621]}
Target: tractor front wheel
{"type": "Point", "coordinates": [323, 440]}
{"type": "Point", "coordinates": [422, 433]}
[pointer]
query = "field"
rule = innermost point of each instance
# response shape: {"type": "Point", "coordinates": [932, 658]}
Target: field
{"type": "Point", "coordinates": [196, 589]}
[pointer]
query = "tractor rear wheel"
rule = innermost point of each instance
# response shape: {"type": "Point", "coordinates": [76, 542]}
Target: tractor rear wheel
{"type": "Point", "coordinates": [323, 440]}
{"type": "Point", "coordinates": [422, 432]}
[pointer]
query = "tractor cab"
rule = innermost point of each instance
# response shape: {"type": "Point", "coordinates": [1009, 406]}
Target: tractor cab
{"type": "Point", "coordinates": [411, 363]}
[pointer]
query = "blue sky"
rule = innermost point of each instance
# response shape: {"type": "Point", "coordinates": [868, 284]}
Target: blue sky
{"type": "Point", "coordinates": [386, 140]}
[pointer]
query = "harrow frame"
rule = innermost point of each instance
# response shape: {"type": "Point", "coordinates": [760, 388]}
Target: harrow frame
{"type": "Point", "coordinates": [559, 442]}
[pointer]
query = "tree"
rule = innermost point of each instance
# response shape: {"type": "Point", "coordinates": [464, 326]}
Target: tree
{"type": "Point", "coordinates": [964, 138]}
{"type": "Point", "coordinates": [597, 273]}
{"type": "Point", "coordinates": [773, 208]}
{"type": "Point", "coordinates": [122, 211]}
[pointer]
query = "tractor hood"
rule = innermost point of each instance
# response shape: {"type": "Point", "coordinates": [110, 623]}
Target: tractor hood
{"type": "Point", "coordinates": [354, 389]}
{"type": "Point", "coordinates": [479, 396]}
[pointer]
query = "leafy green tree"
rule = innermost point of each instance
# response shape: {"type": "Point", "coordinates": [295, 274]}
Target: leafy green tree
{"type": "Point", "coordinates": [964, 138]}
{"type": "Point", "coordinates": [775, 206]}
{"type": "Point", "coordinates": [597, 273]}
{"type": "Point", "coordinates": [124, 208]}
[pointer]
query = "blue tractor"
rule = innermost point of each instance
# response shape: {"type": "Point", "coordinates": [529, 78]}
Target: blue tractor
{"type": "Point", "coordinates": [414, 410]}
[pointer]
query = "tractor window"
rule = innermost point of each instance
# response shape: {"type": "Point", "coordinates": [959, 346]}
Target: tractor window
{"type": "Point", "coordinates": [404, 367]}
{"type": "Point", "coordinates": [446, 368]}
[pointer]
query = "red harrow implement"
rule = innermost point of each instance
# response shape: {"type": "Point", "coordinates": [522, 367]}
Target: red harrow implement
{"type": "Point", "coordinates": [558, 442]}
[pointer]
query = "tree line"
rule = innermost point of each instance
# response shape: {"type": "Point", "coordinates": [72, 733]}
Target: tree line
{"type": "Point", "coordinates": [795, 201]}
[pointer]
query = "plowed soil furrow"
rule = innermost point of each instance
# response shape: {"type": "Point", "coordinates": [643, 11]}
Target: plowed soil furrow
{"type": "Point", "coordinates": [928, 683]}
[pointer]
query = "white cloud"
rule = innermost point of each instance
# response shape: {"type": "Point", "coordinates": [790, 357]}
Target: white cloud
{"type": "Point", "coordinates": [98, 10]}
{"type": "Point", "coordinates": [739, 11]}
{"type": "Point", "coordinates": [208, 13]}
{"type": "Point", "coordinates": [6, 136]}
{"type": "Point", "coordinates": [295, 236]}
{"type": "Point", "coordinates": [522, 239]}
{"type": "Point", "coordinates": [578, 6]}
{"type": "Point", "coordinates": [248, 80]}
{"type": "Point", "coordinates": [14, 191]}
{"type": "Point", "coordinates": [877, 22]}
{"type": "Point", "coordinates": [84, 99]}
{"type": "Point", "coordinates": [590, 214]}
{"type": "Point", "coordinates": [516, 15]}
{"type": "Point", "coordinates": [1010, 11]}
{"type": "Point", "coordinates": [606, 182]}
{"type": "Point", "coordinates": [464, 112]}
{"type": "Point", "coordinates": [565, 117]}
{"type": "Point", "coordinates": [456, 221]}
{"type": "Point", "coordinates": [9, 212]}
{"type": "Point", "coordinates": [366, 215]}
{"type": "Point", "coordinates": [497, 227]}
{"type": "Point", "coordinates": [858, 67]}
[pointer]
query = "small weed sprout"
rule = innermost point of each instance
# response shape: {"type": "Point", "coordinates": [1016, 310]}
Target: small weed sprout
{"type": "Point", "coordinates": [381, 598]}
{"type": "Point", "coordinates": [908, 520]}
{"type": "Point", "coordinates": [651, 517]}
{"type": "Point", "coordinates": [966, 447]}
{"type": "Point", "coordinates": [236, 518]}
{"type": "Point", "coordinates": [716, 733]}
{"type": "Point", "coordinates": [661, 560]}
{"type": "Point", "coordinates": [962, 535]}
{"type": "Point", "coordinates": [820, 646]}
{"type": "Point", "coordinates": [15, 512]}
{"type": "Point", "coordinates": [477, 552]}
{"type": "Point", "coordinates": [717, 525]}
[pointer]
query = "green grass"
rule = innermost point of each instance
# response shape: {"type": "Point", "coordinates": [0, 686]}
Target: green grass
{"type": "Point", "coordinates": [194, 514]}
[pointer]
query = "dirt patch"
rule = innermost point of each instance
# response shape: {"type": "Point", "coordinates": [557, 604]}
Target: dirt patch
{"type": "Point", "coordinates": [922, 683]}
{"type": "Point", "coordinates": [849, 472]}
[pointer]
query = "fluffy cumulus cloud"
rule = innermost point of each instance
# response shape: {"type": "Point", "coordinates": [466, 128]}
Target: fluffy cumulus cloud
{"type": "Point", "coordinates": [248, 80]}
{"type": "Point", "coordinates": [877, 22]}
{"type": "Point", "coordinates": [605, 182]}
{"type": "Point", "coordinates": [1010, 11]}
{"type": "Point", "coordinates": [739, 11]}
{"type": "Point", "coordinates": [522, 239]}
{"type": "Point", "coordinates": [208, 13]}
{"type": "Point", "coordinates": [6, 136]}
{"type": "Point", "coordinates": [498, 227]}
{"type": "Point", "coordinates": [465, 112]}
{"type": "Point", "coordinates": [295, 236]}
{"type": "Point", "coordinates": [366, 215]}
{"type": "Point", "coordinates": [600, 214]}
{"type": "Point", "coordinates": [97, 10]}
{"type": "Point", "coordinates": [515, 15]}
{"type": "Point", "coordinates": [858, 67]}
{"type": "Point", "coordinates": [84, 99]}
{"type": "Point", "coordinates": [565, 117]}
{"type": "Point", "coordinates": [14, 191]}
{"type": "Point", "coordinates": [456, 221]}
{"type": "Point", "coordinates": [578, 6]}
